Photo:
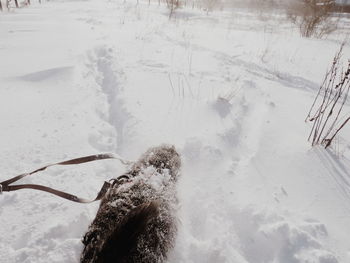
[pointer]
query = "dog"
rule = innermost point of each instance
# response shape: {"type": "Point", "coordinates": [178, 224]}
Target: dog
{"type": "Point", "coordinates": [136, 221]}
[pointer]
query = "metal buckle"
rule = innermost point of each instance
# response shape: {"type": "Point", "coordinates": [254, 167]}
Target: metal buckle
{"type": "Point", "coordinates": [119, 180]}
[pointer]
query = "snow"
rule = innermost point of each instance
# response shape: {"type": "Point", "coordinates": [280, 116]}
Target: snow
{"type": "Point", "coordinates": [230, 90]}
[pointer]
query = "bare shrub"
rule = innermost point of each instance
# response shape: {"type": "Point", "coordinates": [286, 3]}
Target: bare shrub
{"type": "Point", "coordinates": [173, 5]}
{"type": "Point", "coordinates": [9, 4]}
{"type": "Point", "coordinates": [326, 110]}
{"type": "Point", "coordinates": [209, 5]}
{"type": "Point", "coordinates": [313, 17]}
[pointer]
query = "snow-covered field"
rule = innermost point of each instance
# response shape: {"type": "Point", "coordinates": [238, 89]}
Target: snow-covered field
{"type": "Point", "coordinates": [230, 90]}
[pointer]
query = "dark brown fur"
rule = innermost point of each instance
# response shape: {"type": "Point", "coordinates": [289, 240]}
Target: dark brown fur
{"type": "Point", "coordinates": [136, 221]}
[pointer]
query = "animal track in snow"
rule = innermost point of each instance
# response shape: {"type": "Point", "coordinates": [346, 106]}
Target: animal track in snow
{"type": "Point", "coordinates": [102, 65]}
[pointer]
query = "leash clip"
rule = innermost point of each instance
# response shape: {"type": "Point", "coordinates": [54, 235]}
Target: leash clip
{"type": "Point", "coordinates": [120, 180]}
{"type": "Point", "coordinates": [0, 189]}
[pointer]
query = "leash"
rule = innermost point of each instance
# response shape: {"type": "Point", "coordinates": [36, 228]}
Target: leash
{"type": "Point", "coordinates": [6, 186]}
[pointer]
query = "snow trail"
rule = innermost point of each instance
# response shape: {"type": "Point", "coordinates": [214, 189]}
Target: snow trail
{"type": "Point", "coordinates": [101, 65]}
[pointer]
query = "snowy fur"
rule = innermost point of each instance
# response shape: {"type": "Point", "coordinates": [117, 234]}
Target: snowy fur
{"type": "Point", "coordinates": [136, 220]}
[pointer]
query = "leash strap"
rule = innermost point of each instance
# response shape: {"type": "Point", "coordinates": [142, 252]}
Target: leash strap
{"type": "Point", "coordinates": [6, 186]}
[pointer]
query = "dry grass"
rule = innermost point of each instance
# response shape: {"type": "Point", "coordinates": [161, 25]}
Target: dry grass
{"type": "Point", "coordinates": [326, 110]}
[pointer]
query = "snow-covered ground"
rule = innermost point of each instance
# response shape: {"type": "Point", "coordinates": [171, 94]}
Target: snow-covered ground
{"type": "Point", "coordinates": [230, 89]}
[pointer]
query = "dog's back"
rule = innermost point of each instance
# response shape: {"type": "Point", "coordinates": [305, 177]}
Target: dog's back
{"type": "Point", "coordinates": [136, 220]}
{"type": "Point", "coordinates": [124, 238]}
